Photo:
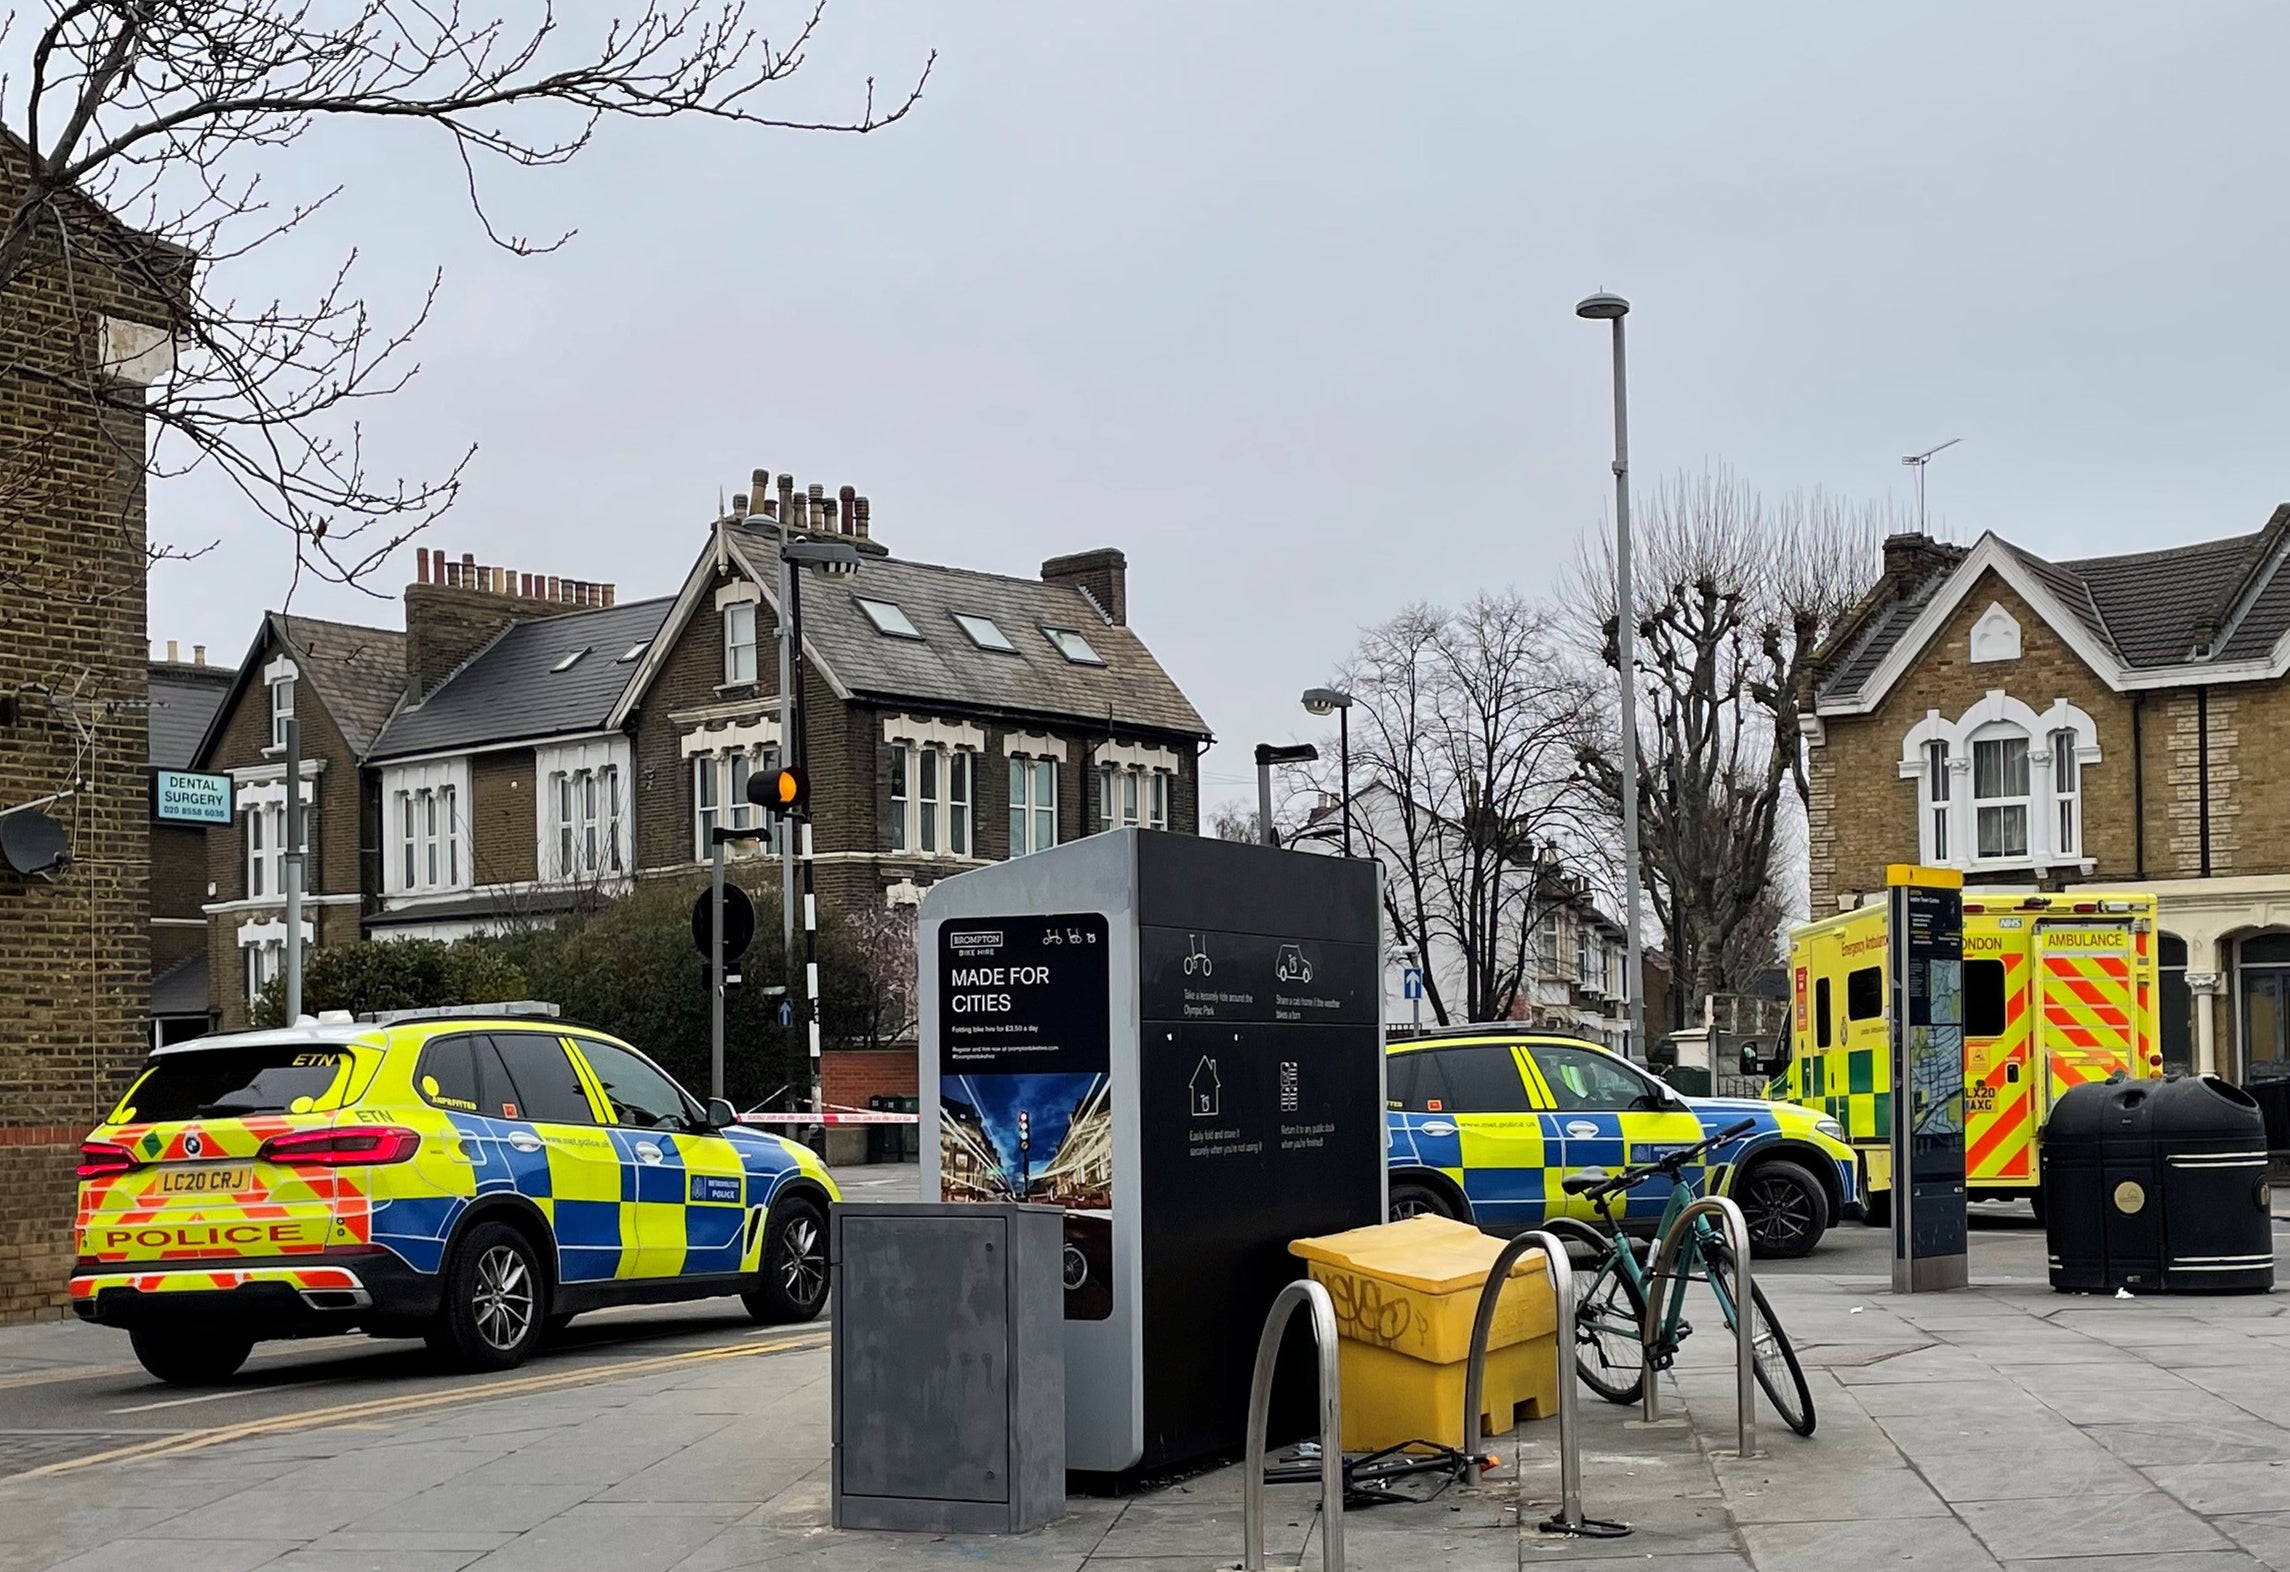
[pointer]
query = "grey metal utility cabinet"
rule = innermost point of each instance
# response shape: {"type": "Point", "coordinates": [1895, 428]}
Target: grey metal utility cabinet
{"type": "Point", "coordinates": [949, 1367]}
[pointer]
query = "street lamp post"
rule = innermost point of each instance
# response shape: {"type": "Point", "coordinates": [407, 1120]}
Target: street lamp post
{"type": "Point", "coordinates": [1319, 701]}
{"type": "Point", "coordinates": [1612, 308]}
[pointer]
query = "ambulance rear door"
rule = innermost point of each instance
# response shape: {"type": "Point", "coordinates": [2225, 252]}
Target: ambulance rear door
{"type": "Point", "coordinates": [2086, 989]}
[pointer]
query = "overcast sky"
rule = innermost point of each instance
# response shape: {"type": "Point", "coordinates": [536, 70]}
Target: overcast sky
{"type": "Point", "coordinates": [1278, 299]}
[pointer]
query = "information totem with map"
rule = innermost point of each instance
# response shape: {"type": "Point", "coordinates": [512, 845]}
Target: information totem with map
{"type": "Point", "coordinates": [1926, 1016]}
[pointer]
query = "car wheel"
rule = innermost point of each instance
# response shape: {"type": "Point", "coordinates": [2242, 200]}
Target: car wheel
{"type": "Point", "coordinates": [792, 1283]}
{"type": "Point", "coordinates": [183, 1356]}
{"type": "Point", "coordinates": [496, 1303]}
{"type": "Point", "coordinates": [1410, 1199]}
{"type": "Point", "coordinates": [1784, 1207]}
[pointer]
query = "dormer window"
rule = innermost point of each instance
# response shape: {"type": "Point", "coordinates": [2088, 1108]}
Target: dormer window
{"type": "Point", "coordinates": [1073, 646]}
{"type": "Point", "coordinates": [984, 632]}
{"type": "Point", "coordinates": [888, 619]}
{"type": "Point", "coordinates": [739, 642]}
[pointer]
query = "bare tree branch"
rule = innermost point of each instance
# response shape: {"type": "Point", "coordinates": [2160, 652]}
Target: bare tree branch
{"type": "Point", "coordinates": [133, 143]}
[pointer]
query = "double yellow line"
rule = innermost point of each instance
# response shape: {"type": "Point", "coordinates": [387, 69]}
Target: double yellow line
{"type": "Point", "coordinates": [415, 1402]}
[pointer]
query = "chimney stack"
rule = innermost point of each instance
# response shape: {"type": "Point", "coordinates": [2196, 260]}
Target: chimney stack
{"type": "Point", "coordinates": [1102, 575]}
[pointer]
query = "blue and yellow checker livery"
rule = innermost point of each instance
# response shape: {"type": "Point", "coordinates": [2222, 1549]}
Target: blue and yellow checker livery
{"type": "Point", "coordinates": [473, 1179]}
{"type": "Point", "coordinates": [1485, 1125]}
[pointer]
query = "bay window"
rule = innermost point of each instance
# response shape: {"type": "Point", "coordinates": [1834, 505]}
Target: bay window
{"type": "Point", "coordinates": [2001, 785]}
{"type": "Point", "coordinates": [932, 787]}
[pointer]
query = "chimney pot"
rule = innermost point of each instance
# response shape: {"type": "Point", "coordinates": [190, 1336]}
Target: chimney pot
{"type": "Point", "coordinates": [859, 510]}
{"type": "Point", "coordinates": [421, 564]}
{"type": "Point", "coordinates": [198, 654]}
{"type": "Point", "coordinates": [606, 589]}
{"type": "Point", "coordinates": [556, 588]}
{"type": "Point", "coordinates": [739, 504]}
{"type": "Point", "coordinates": [770, 508]}
{"type": "Point", "coordinates": [827, 515]}
{"type": "Point", "coordinates": [171, 655]}
{"type": "Point", "coordinates": [758, 485]}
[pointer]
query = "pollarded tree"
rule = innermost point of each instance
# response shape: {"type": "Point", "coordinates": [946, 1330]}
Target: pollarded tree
{"type": "Point", "coordinates": [1734, 598]}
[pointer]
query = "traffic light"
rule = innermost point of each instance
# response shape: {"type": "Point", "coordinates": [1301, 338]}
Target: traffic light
{"type": "Point", "coordinates": [785, 791]}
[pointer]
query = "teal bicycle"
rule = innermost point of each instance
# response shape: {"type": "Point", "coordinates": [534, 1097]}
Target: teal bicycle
{"type": "Point", "coordinates": [1611, 1298]}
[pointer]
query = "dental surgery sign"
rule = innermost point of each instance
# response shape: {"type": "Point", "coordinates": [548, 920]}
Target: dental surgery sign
{"type": "Point", "coordinates": [180, 797]}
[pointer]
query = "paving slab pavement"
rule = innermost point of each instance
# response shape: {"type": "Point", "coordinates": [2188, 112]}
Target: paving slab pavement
{"type": "Point", "coordinates": [2000, 1427]}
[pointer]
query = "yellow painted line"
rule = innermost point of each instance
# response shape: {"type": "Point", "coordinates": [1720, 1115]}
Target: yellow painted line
{"type": "Point", "coordinates": [414, 1402]}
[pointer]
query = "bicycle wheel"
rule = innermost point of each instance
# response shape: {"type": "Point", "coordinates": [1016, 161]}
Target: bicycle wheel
{"type": "Point", "coordinates": [1609, 1318]}
{"type": "Point", "coordinates": [1776, 1361]}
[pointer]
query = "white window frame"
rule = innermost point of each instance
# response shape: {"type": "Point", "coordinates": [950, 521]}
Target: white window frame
{"type": "Point", "coordinates": [2066, 773]}
{"type": "Point", "coordinates": [585, 811]}
{"type": "Point", "coordinates": [740, 643]}
{"type": "Point", "coordinates": [1033, 821]}
{"type": "Point", "coordinates": [1947, 820]}
{"type": "Point", "coordinates": [721, 759]}
{"type": "Point", "coordinates": [419, 859]}
{"type": "Point", "coordinates": [262, 835]}
{"type": "Point", "coordinates": [1133, 785]}
{"type": "Point", "coordinates": [262, 950]}
{"type": "Point", "coordinates": [279, 677]}
{"type": "Point", "coordinates": [933, 800]}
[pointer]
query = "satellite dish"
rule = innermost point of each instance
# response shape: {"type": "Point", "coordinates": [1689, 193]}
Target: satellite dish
{"type": "Point", "coordinates": [34, 843]}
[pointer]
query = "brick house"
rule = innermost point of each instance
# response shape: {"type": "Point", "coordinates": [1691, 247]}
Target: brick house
{"type": "Point", "coordinates": [2118, 721]}
{"type": "Point", "coordinates": [339, 682]}
{"type": "Point", "coordinates": [184, 698]}
{"type": "Point", "coordinates": [84, 327]}
{"type": "Point", "coordinates": [529, 746]}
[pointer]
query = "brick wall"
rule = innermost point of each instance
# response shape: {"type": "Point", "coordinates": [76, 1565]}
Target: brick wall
{"type": "Point", "coordinates": [504, 824]}
{"type": "Point", "coordinates": [75, 987]}
{"type": "Point", "coordinates": [849, 1078]}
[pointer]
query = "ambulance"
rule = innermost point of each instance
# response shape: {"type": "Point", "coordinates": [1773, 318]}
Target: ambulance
{"type": "Point", "coordinates": [2059, 990]}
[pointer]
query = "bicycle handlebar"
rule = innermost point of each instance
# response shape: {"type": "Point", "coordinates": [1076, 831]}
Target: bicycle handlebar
{"type": "Point", "coordinates": [1617, 1183]}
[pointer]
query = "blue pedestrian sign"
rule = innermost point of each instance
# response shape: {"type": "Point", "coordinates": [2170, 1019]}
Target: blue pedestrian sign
{"type": "Point", "coordinates": [786, 1012]}
{"type": "Point", "coordinates": [1411, 983]}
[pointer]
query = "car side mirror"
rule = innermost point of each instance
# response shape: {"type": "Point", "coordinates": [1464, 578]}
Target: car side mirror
{"type": "Point", "coordinates": [721, 1113]}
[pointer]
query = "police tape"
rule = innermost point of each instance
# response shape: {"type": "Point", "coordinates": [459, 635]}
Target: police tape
{"type": "Point", "coordinates": [832, 1117]}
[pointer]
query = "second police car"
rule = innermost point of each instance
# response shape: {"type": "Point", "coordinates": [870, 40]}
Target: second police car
{"type": "Point", "coordinates": [471, 1179]}
{"type": "Point", "coordinates": [1484, 1123]}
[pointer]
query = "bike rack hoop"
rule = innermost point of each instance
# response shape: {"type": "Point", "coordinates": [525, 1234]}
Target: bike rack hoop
{"type": "Point", "coordinates": [1303, 1291]}
{"type": "Point", "coordinates": [1665, 1259]}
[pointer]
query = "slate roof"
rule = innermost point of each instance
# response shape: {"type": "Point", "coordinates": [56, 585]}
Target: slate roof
{"type": "Point", "coordinates": [183, 701]}
{"type": "Point", "coordinates": [511, 689]}
{"type": "Point", "coordinates": [182, 988]}
{"type": "Point", "coordinates": [2206, 602]}
{"type": "Point", "coordinates": [946, 667]}
{"type": "Point", "coordinates": [360, 673]}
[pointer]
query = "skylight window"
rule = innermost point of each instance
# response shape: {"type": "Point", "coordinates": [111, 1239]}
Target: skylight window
{"type": "Point", "coordinates": [984, 633]}
{"type": "Point", "coordinates": [888, 619]}
{"type": "Point", "coordinates": [572, 660]}
{"type": "Point", "coordinates": [634, 650]}
{"type": "Point", "coordinates": [1074, 647]}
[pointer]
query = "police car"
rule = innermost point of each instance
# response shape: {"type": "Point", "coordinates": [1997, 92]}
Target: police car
{"type": "Point", "coordinates": [1484, 1123]}
{"type": "Point", "coordinates": [477, 1179]}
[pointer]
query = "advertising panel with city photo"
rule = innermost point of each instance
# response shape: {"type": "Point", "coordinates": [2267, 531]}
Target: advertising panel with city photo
{"type": "Point", "coordinates": [1025, 1091]}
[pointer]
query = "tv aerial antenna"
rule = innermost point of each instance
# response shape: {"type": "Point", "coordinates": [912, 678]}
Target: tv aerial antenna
{"type": "Point", "coordinates": [1917, 461]}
